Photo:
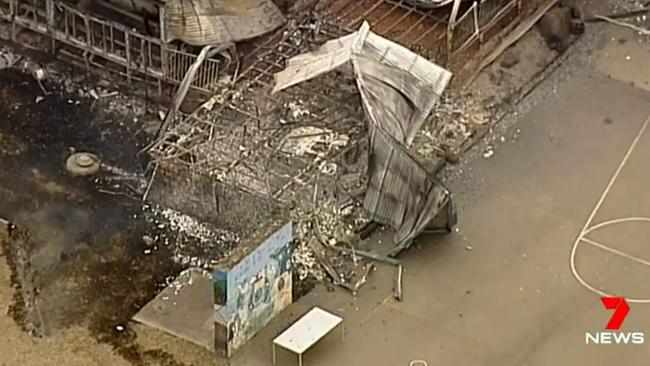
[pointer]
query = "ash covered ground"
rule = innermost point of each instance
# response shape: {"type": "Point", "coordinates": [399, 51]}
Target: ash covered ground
{"type": "Point", "coordinates": [86, 251]}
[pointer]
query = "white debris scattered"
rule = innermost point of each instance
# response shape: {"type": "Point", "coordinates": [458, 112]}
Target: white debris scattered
{"type": "Point", "coordinates": [305, 263]}
{"type": "Point", "coordinates": [469, 248]}
{"type": "Point", "coordinates": [488, 153]}
{"type": "Point", "coordinates": [7, 58]}
{"type": "Point", "coordinates": [192, 242]}
{"type": "Point", "coordinates": [323, 224]}
{"type": "Point", "coordinates": [328, 168]}
{"type": "Point", "coordinates": [185, 278]}
{"type": "Point", "coordinates": [297, 110]}
{"type": "Point", "coordinates": [455, 120]}
{"type": "Point", "coordinates": [109, 94]}
{"type": "Point", "coordinates": [39, 98]}
{"type": "Point", "coordinates": [306, 140]}
{"type": "Point", "coordinates": [190, 226]}
{"type": "Point", "coordinates": [119, 328]}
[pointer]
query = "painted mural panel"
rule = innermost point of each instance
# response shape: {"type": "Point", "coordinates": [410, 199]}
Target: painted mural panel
{"type": "Point", "coordinates": [259, 287]}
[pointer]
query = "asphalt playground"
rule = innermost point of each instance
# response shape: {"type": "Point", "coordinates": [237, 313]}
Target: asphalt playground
{"type": "Point", "coordinates": [557, 218]}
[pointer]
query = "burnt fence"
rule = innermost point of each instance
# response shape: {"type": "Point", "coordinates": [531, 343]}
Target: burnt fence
{"type": "Point", "coordinates": [470, 25]}
{"type": "Point", "coordinates": [107, 44]}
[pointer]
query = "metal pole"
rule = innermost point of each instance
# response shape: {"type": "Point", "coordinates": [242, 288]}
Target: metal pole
{"type": "Point", "coordinates": [273, 347]}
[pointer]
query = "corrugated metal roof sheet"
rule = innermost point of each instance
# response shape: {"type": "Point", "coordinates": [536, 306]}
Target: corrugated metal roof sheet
{"type": "Point", "coordinates": [386, 70]}
{"type": "Point", "coordinates": [399, 90]}
{"type": "Point", "coordinates": [401, 193]}
{"type": "Point", "coordinates": [215, 22]}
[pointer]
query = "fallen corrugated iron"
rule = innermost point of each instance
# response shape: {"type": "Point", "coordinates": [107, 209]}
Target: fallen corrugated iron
{"type": "Point", "coordinates": [399, 90]}
{"type": "Point", "coordinates": [215, 22]}
{"type": "Point", "coordinates": [399, 87]}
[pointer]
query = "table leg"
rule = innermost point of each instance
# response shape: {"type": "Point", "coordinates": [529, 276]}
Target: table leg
{"type": "Point", "coordinates": [273, 353]}
{"type": "Point", "coordinates": [299, 359]}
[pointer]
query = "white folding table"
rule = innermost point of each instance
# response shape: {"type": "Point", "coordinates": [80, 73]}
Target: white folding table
{"type": "Point", "coordinates": [308, 330]}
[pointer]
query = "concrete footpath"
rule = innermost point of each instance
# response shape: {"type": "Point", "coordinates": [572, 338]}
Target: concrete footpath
{"type": "Point", "coordinates": [501, 291]}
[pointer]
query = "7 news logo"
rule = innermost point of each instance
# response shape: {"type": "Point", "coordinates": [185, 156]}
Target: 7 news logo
{"type": "Point", "coordinates": [613, 335]}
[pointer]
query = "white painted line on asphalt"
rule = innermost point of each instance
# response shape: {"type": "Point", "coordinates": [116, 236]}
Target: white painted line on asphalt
{"type": "Point", "coordinates": [586, 228]}
{"type": "Point", "coordinates": [615, 251]}
{"type": "Point", "coordinates": [616, 174]}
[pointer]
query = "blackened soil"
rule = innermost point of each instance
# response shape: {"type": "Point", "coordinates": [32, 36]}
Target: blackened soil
{"type": "Point", "coordinates": [84, 262]}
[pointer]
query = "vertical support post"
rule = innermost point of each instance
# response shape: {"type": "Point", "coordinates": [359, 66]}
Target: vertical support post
{"type": "Point", "coordinates": [477, 26]}
{"type": "Point", "coordinates": [13, 9]}
{"type": "Point", "coordinates": [162, 12]}
{"type": "Point", "coordinates": [450, 28]}
{"type": "Point", "coordinates": [104, 47]}
{"type": "Point", "coordinates": [73, 19]}
{"type": "Point", "coordinates": [127, 45]}
{"type": "Point", "coordinates": [89, 42]}
{"type": "Point", "coordinates": [143, 56]}
{"type": "Point", "coordinates": [65, 23]}
{"type": "Point", "coordinates": [112, 38]}
{"type": "Point", "coordinates": [49, 6]}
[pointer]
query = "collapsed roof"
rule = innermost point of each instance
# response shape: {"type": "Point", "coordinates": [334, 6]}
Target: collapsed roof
{"type": "Point", "coordinates": [215, 22]}
{"type": "Point", "coordinates": [399, 89]}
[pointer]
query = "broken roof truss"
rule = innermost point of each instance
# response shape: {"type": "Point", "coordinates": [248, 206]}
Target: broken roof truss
{"type": "Point", "coordinates": [308, 142]}
{"type": "Point", "coordinates": [399, 90]}
{"type": "Point", "coordinates": [280, 145]}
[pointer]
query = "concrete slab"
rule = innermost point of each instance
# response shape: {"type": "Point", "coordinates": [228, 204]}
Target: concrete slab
{"type": "Point", "coordinates": [625, 48]}
{"type": "Point", "coordinates": [185, 309]}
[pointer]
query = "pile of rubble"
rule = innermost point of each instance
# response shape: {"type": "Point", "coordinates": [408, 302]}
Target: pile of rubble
{"type": "Point", "coordinates": [192, 243]}
{"type": "Point", "coordinates": [319, 235]}
{"type": "Point", "coordinates": [454, 121]}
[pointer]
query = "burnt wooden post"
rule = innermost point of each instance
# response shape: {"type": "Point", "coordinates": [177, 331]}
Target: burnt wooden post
{"type": "Point", "coordinates": [450, 28]}
{"type": "Point", "coordinates": [477, 23]}
{"type": "Point", "coordinates": [49, 6]}
{"type": "Point", "coordinates": [162, 11]}
{"type": "Point", "coordinates": [127, 45]}
{"type": "Point", "coordinates": [89, 42]}
{"type": "Point", "coordinates": [13, 9]}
